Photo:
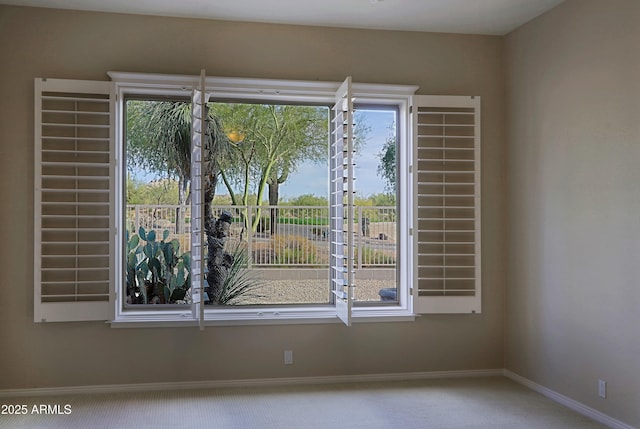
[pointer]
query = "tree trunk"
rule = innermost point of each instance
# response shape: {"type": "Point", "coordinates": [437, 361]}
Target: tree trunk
{"type": "Point", "coordinates": [274, 195]}
{"type": "Point", "coordinates": [218, 261]}
{"type": "Point", "coordinates": [274, 191]}
{"type": "Point", "coordinates": [182, 197]}
{"type": "Point", "coordinates": [209, 192]}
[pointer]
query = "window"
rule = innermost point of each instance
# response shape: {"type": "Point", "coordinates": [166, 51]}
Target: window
{"type": "Point", "coordinates": [82, 245]}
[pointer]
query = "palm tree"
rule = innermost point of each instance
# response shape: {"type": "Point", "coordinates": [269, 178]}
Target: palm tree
{"type": "Point", "coordinates": [159, 141]}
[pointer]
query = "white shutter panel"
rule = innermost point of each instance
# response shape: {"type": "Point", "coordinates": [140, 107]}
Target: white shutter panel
{"type": "Point", "coordinates": [198, 240]}
{"type": "Point", "coordinates": [74, 200]}
{"type": "Point", "coordinates": [342, 232]}
{"type": "Point", "coordinates": [447, 184]}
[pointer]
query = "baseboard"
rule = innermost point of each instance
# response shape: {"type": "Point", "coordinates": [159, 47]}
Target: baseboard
{"type": "Point", "coordinates": [568, 402]}
{"type": "Point", "coordinates": [261, 382]}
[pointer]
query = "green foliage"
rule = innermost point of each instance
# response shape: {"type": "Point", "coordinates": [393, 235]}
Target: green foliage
{"type": "Point", "coordinates": [374, 257]}
{"type": "Point", "coordinates": [133, 250]}
{"type": "Point", "coordinates": [378, 200]}
{"type": "Point", "coordinates": [163, 191]}
{"type": "Point", "coordinates": [265, 221]}
{"type": "Point", "coordinates": [306, 200]}
{"type": "Point", "coordinates": [321, 221]}
{"type": "Point", "coordinates": [159, 137]}
{"type": "Point", "coordinates": [156, 271]}
{"type": "Point", "coordinates": [293, 249]}
{"type": "Point", "coordinates": [387, 167]}
{"type": "Point", "coordinates": [240, 283]}
{"type": "Point", "coordinates": [362, 202]}
{"type": "Point", "coordinates": [270, 141]}
{"type": "Point", "coordinates": [383, 200]}
{"type": "Point", "coordinates": [222, 200]}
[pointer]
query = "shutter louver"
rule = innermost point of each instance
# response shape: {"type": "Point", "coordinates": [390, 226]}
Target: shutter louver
{"type": "Point", "coordinates": [342, 232]}
{"type": "Point", "coordinates": [74, 235]}
{"type": "Point", "coordinates": [447, 138]}
{"type": "Point", "coordinates": [198, 240]}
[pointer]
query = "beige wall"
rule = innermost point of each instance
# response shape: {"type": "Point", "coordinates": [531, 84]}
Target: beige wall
{"type": "Point", "coordinates": [573, 103]}
{"type": "Point", "coordinates": [61, 44]}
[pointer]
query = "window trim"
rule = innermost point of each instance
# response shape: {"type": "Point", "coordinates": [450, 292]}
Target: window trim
{"type": "Point", "coordinates": [129, 85]}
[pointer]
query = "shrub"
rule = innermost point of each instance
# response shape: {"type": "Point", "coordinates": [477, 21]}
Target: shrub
{"type": "Point", "coordinates": [375, 256]}
{"type": "Point", "coordinates": [240, 283]}
{"type": "Point", "coordinates": [293, 249]}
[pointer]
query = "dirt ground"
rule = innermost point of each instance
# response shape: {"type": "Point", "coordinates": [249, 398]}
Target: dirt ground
{"type": "Point", "coordinates": [313, 291]}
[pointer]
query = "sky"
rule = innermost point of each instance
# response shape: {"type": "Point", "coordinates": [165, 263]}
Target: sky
{"type": "Point", "coordinates": [313, 178]}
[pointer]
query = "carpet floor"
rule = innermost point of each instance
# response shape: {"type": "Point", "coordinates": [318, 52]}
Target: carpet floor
{"type": "Point", "coordinates": [491, 403]}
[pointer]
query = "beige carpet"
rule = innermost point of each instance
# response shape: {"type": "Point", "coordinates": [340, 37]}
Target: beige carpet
{"type": "Point", "coordinates": [490, 403]}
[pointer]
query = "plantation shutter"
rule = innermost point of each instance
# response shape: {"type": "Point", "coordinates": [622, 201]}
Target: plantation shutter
{"type": "Point", "coordinates": [342, 232]}
{"type": "Point", "coordinates": [74, 200]}
{"type": "Point", "coordinates": [447, 183]}
{"type": "Point", "coordinates": [198, 242]}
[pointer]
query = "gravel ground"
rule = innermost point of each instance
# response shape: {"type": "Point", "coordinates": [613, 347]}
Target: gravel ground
{"type": "Point", "coordinates": [313, 291]}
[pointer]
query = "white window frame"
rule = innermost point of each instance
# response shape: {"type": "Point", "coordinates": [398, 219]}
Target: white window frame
{"type": "Point", "coordinates": [239, 89]}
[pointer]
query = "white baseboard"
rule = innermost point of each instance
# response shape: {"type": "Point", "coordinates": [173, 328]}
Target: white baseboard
{"type": "Point", "coordinates": [260, 382]}
{"type": "Point", "coordinates": [568, 402]}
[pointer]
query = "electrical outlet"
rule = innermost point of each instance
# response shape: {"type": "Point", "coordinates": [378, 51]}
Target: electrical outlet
{"type": "Point", "coordinates": [602, 388]}
{"type": "Point", "coordinates": [288, 357]}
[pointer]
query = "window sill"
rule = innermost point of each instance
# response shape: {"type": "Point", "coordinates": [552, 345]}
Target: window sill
{"type": "Point", "coordinates": [267, 316]}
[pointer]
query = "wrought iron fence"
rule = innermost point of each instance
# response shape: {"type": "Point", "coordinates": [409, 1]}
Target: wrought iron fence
{"type": "Point", "coordinates": [281, 236]}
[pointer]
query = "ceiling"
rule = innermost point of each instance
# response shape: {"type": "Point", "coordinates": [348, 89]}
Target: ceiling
{"type": "Point", "coordinates": [493, 17]}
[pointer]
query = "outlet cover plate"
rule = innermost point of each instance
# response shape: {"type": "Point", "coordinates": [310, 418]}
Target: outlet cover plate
{"type": "Point", "coordinates": [602, 388]}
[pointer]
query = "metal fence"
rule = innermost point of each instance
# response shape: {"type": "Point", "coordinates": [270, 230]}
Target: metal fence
{"type": "Point", "coordinates": [280, 236]}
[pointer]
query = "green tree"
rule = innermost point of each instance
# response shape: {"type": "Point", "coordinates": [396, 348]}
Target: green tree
{"type": "Point", "coordinates": [308, 200]}
{"type": "Point", "coordinates": [269, 142]}
{"type": "Point", "coordinates": [162, 191]}
{"type": "Point", "coordinates": [159, 142]}
{"type": "Point", "coordinates": [387, 166]}
{"type": "Point", "coordinates": [383, 199]}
